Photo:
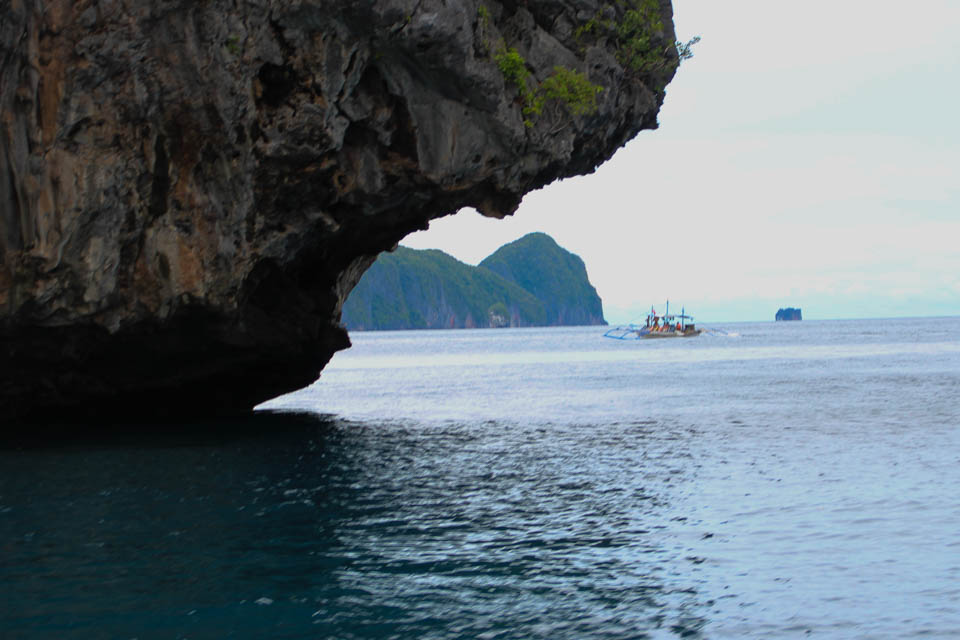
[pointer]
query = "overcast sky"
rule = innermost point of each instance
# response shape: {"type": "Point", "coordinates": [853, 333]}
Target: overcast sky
{"type": "Point", "coordinates": [808, 155]}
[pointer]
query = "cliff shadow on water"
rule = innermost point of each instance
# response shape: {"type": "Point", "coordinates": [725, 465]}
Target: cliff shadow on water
{"type": "Point", "coordinates": [145, 433]}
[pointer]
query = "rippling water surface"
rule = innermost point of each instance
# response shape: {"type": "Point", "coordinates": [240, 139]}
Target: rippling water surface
{"type": "Point", "coordinates": [787, 480]}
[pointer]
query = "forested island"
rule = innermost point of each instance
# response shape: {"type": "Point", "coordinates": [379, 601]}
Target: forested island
{"type": "Point", "coordinates": [530, 282]}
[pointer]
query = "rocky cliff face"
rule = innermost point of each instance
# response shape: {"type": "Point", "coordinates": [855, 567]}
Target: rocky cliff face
{"type": "Point", "coordinates": [190, 189]}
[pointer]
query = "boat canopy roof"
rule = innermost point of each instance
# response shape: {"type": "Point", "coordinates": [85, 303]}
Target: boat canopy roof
{"type": "Point", "coordinates": [667, 317]}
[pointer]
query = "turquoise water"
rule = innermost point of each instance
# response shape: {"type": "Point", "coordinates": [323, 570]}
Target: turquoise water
{"type": "Point", "coordinates": [786, 480]}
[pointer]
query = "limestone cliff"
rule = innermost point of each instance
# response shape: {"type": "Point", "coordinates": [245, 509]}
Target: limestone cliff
{"type": "Point", "coordinates": [190, 189]}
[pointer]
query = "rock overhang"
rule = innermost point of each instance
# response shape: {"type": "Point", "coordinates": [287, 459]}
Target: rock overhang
{"type": "Point", "coordinates": [188, 191]}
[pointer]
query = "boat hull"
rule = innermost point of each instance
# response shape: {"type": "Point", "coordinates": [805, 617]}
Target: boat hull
{"type": "Point", "coordinates": [653, 335]}
{"type": "Point", "coordinates": [633, 332]}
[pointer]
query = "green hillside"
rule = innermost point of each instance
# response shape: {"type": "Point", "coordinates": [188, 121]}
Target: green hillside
{"type": "Point", "coordinates": [555, 276]}
{"type": "Point", "coordinates": [412, 289]}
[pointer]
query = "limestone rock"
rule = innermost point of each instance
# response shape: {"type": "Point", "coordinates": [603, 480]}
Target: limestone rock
{"type": "Point", "coordinates": [788, 314]}
{"type": "Point", "coordinates": [189, 190]}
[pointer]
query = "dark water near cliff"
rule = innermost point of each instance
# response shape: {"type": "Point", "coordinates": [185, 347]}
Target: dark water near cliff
{"type": "Point", "coordinates": [793, 480]}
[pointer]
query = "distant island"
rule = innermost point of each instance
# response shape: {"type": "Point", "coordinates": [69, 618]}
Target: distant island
{"type": "Point", "coordinates": [788, 314]}
{"type": "Point", "coordinates": [530, 282]}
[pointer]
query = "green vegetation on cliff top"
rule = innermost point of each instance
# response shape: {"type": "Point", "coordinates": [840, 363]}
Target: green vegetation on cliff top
{"type": "Point", "coordinates": [530, 282]}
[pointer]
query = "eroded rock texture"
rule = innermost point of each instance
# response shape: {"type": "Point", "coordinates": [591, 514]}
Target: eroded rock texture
{"type": "Point", "coordinates": [189, 189]}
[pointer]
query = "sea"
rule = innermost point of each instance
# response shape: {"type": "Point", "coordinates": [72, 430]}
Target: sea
{"type": "Point", "coordinates": [763, 480]}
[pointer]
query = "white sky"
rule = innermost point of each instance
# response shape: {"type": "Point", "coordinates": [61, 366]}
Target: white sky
{"type": "Point", "coordinates": [808, 155]}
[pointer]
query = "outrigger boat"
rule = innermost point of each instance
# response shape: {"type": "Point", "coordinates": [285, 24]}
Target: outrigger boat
{"type": "Point", "coordinates": [658, 326]}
